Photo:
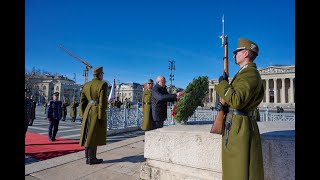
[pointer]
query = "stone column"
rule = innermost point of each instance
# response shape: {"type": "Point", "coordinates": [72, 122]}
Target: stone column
{"type": "Point", "coordinates": [214, 97]}
{"type": "Point", "coordinates": [275, 91]}
{"type": "Point", "coordinates": [291, 99]}
{"type": "Point", "coordinates": [283, 91]}
{"type": "Point", "coordinates": [267, 91]}
{"type": "Point", "coordinates": [210, 95]}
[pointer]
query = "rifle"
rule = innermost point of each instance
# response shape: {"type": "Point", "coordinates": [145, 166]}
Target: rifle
{"type": "Point", "coordinates": [217, 125]}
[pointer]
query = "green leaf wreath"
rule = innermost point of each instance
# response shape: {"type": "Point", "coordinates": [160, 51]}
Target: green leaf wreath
{"type": "Point", "coordinates": [192, 98]}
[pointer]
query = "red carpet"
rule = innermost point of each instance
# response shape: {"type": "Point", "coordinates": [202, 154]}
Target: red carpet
{"type": "Point", "coordinates": [39, 147]}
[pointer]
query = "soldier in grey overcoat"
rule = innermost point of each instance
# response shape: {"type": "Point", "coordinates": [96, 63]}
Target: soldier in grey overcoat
{"type": "Point", "coordinates": [241, 144]}
{"type": "Point", "coordinates": [93, 106]}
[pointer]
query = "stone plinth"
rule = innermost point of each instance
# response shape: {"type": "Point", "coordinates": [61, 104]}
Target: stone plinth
{"type": "Point", "coordinates": [191, 152]}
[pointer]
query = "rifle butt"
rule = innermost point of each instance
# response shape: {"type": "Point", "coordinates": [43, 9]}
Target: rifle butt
{"type": "Point", "coordinates": [217, 127]}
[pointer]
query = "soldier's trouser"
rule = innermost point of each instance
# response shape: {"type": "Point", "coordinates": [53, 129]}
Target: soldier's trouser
{"type": "Point", "coordinates": [53, 128]}
{"type": "Point", "coordinates": [157, 124]}
{"type": "Point", "coordinates": [64, 115]}
{"type": "Point", "coordinates": [26, 124]}
{"type": "Point", "coordinates": [86, 154]}
{"type": "Point", "coordinates": [91, 155]}
{"type": "Point", "coordinates": [31, 122]}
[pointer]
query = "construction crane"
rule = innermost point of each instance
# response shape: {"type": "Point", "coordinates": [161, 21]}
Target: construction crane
{"type": "Point", "coordinates": [74, 77]}
{"type": "Point", "coordinates": [88, 66]}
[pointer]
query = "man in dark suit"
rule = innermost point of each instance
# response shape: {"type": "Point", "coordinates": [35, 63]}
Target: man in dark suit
{"type": "Point", "coordinates": [28, 110]}
{"type": "Point", "coordinates": [54, 114]}
{"type": "Point", "coordinates": [118, 103]}
{"type": "Point", "coordinates": [160, 97]}
{"type": "Point", "coordinates": [33, 112]}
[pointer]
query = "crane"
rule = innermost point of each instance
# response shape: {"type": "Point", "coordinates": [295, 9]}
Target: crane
{"type": "Point", "coordinates": [88, 66]}
{"type": "Point", "coordinates": [74, 77]}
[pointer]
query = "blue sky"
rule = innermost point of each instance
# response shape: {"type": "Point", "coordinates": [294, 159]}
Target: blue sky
{"type": "Point", "coordinates": [135, 39]}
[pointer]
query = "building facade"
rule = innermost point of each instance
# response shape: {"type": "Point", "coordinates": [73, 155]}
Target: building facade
{"type": "Point", "coordinates": [46, 85]}
{"type": "Point", "coordinates": [133, 91]}
{"type": "Point", "coordinates": [279, 85]}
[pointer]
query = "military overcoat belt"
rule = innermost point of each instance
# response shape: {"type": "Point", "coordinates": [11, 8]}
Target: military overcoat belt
{"type": "Point", "coordinates": [241, 112]}
{"type": "Point", "coordinates": [148, 103]}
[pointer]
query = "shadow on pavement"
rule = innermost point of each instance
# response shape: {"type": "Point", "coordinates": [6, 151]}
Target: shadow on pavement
{"type": "Point", "coordinates": [133, 159]}
{"type": "Point", "coordinates": [50, 154]}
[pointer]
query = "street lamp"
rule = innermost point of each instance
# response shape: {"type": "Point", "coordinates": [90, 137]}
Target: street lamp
{"type": "Point", "coordinates": [74, 93]}
{"type": "Point", "coordinates": [118, 90]}
{"type": "Point", "coordinates": [171, 68]}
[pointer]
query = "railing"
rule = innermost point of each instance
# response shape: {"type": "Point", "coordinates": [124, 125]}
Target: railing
{"type": "Point", "coordinates": [280, 117]}
{"type": "Point", "coordinates": [199, 116]}
{"type": "Point", "coordinates": [119, 118]}
{"type": "Point", "coordinates": [202, 115]}
{"type": "Point", "coordinates": [122, 118]}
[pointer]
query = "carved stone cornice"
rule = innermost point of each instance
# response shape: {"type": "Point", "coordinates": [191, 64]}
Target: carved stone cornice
{"type": "Point", "coordinates": [277, 70]}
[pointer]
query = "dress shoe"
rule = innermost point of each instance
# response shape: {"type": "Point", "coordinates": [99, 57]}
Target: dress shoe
{"type": "Point", "coordinates": [94, 161]}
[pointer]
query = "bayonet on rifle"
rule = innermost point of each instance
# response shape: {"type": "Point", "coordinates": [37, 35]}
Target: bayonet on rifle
{"type": "Point", "coordinates": [217, 126]}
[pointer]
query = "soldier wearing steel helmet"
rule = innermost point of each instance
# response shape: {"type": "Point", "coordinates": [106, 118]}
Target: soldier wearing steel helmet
{"type": "Point", "coordinates": [241, 143]}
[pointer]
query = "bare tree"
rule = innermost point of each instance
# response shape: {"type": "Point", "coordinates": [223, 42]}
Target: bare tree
{"type": "Point", "coordinates": [33, 77]}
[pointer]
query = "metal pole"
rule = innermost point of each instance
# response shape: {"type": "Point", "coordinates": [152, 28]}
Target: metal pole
{"type": "Point", "coordinates": [137, 118]}
{"type": "Point", "coordinates": [118, 90]}
{"type": "Point", "coordinates": [171, 68]}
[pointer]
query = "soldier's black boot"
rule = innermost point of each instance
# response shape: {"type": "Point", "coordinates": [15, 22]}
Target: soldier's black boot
{"type": "Point", "coordinates": [86, 154]}
{"type": "Point", "coordinates": [95, 154]}
{"type": "Point", "coordinates": [92, 158]}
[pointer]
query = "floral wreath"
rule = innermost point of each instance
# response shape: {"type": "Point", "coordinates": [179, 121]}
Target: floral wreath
{"type": "Point", "coordinates": [191, 99]}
